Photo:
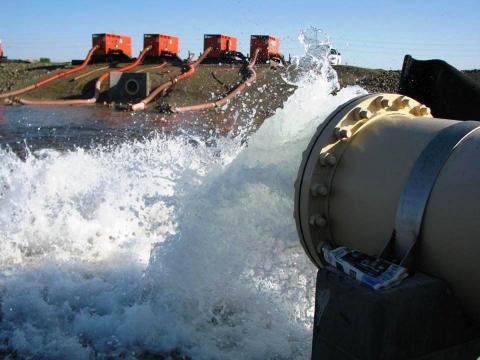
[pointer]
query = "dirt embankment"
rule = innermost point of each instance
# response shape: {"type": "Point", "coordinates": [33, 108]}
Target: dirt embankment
{"type": "Point", "coordinates": [373, 80]}
{"type": "Point", "coordinates": [209, 83]}
{"type": "Point", "coordinates": [209, 80]}
{"type": "Point", "coordinates": [17, 75]}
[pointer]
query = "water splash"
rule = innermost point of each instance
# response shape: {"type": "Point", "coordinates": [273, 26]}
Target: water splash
{"type": "Point", "coordinates": [313, 64]}
{"type": "Point", "coordinates": [172, 243]}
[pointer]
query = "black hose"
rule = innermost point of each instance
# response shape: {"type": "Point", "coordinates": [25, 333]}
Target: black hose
{"type": "Point", "coordinates": [448, 92]}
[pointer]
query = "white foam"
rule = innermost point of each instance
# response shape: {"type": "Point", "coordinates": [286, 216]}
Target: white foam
{"type": "Point", "coordinates": [227, 277]}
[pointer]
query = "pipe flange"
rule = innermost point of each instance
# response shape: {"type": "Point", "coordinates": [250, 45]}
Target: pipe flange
{"type": "Point", "coordinates": [313, 187]}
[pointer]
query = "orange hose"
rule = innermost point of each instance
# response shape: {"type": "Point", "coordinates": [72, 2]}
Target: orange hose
{"type": "Point", "coordinates": [52, 78]}
{"type": "Point", "coordinates": [98, 86]}
{"type": "Point", "coordinates": [166, 85]}
{"type": "Point", "coordinates": [90, 72]}
{"type": "Point", "coordinates": [230, 95]}
{"type": "Point", "coordinates": [162, 65]}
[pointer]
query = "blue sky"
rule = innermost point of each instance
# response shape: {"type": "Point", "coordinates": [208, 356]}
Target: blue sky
{"type": "Point", "coordinates": [368, 33]}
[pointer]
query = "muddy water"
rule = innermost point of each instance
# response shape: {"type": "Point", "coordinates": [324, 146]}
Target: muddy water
{"type": "Point", "coordinates": [24, 128]}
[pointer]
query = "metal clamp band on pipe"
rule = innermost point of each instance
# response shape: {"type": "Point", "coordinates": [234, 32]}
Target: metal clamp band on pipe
{"type": "Point", "coordinates": [419, 185]}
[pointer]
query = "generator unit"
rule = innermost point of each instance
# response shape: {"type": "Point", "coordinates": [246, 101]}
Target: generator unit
{"type": "Point", "coordinates": [112, 46]}
{"type": "Point", "coordinates": [269, 47]}
{"type": "Point", "coordinates": [1, 50]}
{"type": "Point", "coordinates": [162, 45]}
{"type": "Point", "coordinates": [221, 45]}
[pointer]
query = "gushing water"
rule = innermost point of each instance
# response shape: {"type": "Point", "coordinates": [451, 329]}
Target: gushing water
{"type": "Point", "coordinates": [163, 244]}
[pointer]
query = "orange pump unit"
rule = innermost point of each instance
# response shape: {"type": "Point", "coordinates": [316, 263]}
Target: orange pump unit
{"type": "Point", "coordinates": [268, 45]}
{"type": "Point", "coordinates": [112, 44]}
{"type": "Point", "coordinates": [162, 44]}
{"type": "Point", "coordinates": [220, 44]}
{"type": "Point", "coordinates": [1, 49]}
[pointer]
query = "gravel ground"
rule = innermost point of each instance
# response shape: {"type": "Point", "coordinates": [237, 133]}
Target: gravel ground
{"type": "Point", "coordinates": [209, 82]}
{"type": "Point", "coordinates": [16, 75]}
{"type": "Point", "coordinates": [373, 80]}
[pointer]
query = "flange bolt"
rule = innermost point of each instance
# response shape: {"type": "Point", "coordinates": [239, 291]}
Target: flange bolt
{"type": "Point", "coordinates": [319, 190]}
{"type": "Point", "coordinates": [421, 110]}
{"type": "Point", "coordinates": [342, 133]}
{"type": "Point", "coordinates": [327, 159]}
{"type": "Point", "coordinates": [318, 221]}
{"type": "Point", "coordinates": [402, 102]}
{"type": "Point", "coordinates": [383, 102]}
{"type": "Point", "coordinates": [361, 114]}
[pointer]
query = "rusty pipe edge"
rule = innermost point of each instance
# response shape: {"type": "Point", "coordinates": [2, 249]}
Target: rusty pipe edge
{"type": "Point", "coordinates": [93, 100]}
{"type": "Point", "coordinates": [168, 84]}
{"type": "Point", "coordinates": [53, 77]}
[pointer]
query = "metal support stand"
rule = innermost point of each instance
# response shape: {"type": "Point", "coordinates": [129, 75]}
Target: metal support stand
{"type": "Point", "coordinates": [419, 319]}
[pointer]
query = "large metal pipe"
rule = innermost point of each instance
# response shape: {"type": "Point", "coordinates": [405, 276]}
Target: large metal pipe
{"type": "Point", "coordinates": [366, 177]}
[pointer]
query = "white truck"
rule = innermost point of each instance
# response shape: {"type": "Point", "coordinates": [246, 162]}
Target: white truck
{"type": "Point", "coordinates": [335, 58]}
